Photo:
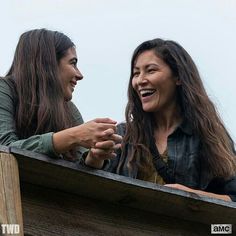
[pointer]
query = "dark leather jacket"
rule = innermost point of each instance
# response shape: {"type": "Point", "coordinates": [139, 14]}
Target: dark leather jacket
{"type": "Point", "coordinates": [185, 165]}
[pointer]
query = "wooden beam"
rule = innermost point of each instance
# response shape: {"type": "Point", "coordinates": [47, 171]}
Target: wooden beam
{"type": "Point", "coordinates": [10, 198]}
{"type": "Point", "coordinates": [50, 212]}
{"type": "Point", "coordinates": [72, 178]}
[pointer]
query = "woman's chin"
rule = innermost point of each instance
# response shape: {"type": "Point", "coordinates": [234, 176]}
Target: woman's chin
{"type": "Point", "coordinates": [68, 97]}
{"type": "Point", "coordinates": [148, 109]}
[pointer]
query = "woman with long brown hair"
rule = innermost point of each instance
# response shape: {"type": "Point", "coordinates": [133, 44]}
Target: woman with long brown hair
{"type": "Point", "coordinates": [173, 134]}
{"type": "Point", "coordinates": [35, 110]}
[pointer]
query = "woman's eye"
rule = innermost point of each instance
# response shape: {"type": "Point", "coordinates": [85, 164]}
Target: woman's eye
{"type": "Point", "coordinates": [135, 74]}
{"type": "Point", "coordinates": [74, 63]}
{"type": "Point", "coordinates": [151, 70]}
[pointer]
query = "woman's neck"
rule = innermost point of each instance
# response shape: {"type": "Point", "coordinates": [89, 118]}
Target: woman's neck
{"type": "Point", "coordinates": [167, 120]}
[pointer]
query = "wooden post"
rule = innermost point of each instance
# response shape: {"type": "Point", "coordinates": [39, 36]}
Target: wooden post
{"type": "Point", "coordinates": [11, 221]}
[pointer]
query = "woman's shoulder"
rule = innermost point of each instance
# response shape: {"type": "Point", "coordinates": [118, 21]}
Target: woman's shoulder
{"type": "Point", "coordinates": [3, 83]}
{"type": "Point", "coordinates": [76, 115]}
{"type": "Point", "coordinates": [7, 85]}
{"type": "Point", "coordinates": [7, 81]}
{"type": "Point", "coordinates": [72, 106]}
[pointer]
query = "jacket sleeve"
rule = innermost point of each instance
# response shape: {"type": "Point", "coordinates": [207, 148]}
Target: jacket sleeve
{"type": "Point", "coordinates": [224, 187]}
{"type": "Point", "coordinates": [38, 143]}
{"type": "Point", "coordinates": [230, 188]}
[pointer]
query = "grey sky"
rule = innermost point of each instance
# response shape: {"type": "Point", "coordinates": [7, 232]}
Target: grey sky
{"type": "Point", "coordinates": [107, 31]}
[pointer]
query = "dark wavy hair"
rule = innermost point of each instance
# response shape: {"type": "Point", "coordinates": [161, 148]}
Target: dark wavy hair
{"type": "Point", "coordinates": [196, 108]}
{"type": "Point", "coordinates": [34, 73]}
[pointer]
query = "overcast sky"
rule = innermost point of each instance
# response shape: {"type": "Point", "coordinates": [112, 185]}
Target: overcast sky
{"type": "Point", "coordinates": [107, 31]}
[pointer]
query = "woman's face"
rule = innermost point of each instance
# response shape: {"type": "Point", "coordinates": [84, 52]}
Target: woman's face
{"type": "Point", "coordinates": [154, 83]}
{"type": "Point", "coordinates": [69, 73]}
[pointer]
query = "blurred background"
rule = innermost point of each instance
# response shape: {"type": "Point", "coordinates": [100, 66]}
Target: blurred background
{"type": "Point", "coordinates": [107, 31]}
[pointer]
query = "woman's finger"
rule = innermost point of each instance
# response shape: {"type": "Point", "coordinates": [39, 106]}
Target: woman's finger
{"type": "Point", "coordinates": [108, 144]}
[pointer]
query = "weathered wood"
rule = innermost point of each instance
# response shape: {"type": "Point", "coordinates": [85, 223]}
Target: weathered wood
{"type": "Point", "coordinates": [51, 212]}
{"type": "Point", "coordinates": [100, 185]}
{"type": "Point", "coordinates": [63, 198]}
{"type": "Point", "coordinates": [10, 199]}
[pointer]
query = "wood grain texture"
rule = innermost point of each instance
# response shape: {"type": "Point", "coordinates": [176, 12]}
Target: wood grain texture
{"type": "Point", "coordinates": [69, 177]}
{"type": "Point", "coordinates": [10, 198]}
{"type": "Point", "coordinates": [50, 212]}
{"type": "Point", "coordinates": [64, 198]}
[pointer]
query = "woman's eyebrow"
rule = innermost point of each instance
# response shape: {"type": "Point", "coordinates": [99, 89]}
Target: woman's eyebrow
{"type": "Point", "coordinates": [146, 66]}
{"type": "Point", "coordinates": [152, 64]}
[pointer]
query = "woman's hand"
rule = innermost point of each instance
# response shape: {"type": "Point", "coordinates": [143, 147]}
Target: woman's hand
{"type": "Point", "coordinates": [199, 192]}
{"type": "Point", "coordinates": [100, 129]}
{"type": "Point", "coordinates": [86, 135]}
{"type": "Point", "coordinates": [102, 151]}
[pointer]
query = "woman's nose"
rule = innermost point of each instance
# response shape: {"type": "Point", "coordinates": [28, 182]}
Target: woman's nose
{"type": "Point", "coordinates": [141, 79]}
{"type": "Point", "coordinates": [78, 75]}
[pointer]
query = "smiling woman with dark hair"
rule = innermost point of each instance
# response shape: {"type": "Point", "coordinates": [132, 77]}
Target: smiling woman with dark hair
{"type": "Point", "coordinates": [35, 110]}
{"type": "Point", "coordinates": [173, 134]}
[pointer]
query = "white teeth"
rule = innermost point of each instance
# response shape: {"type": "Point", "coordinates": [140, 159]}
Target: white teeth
{"type": "Point", "coordinates": [147, 91]}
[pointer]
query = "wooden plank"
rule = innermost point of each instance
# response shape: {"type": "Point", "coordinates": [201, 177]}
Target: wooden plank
{"type": "Point", "coordinates": [122, 191]}
{"type": "Point", "coordinates": [10, 199]}
{"type": "Point", "coordinates": [50, 212]}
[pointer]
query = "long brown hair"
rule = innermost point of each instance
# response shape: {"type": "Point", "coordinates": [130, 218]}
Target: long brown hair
{"type": "Point", "coordinates": [40, 103]}
{"type": "Point", "coordinates": [196, 108]}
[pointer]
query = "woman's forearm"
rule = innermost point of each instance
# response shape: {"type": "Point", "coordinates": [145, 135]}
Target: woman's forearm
{"type": "Point", "coordinates": [213, 195]}
{"type": "Point", "coordinates": [86, 135]}
{"type": "Point", "coordinates": [64, 141]}
{"type": "Point", "coordinates": [199, 192]}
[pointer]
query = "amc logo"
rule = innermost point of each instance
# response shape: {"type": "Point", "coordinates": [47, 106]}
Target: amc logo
{"type": "Point", "coordinates": [221, 229]}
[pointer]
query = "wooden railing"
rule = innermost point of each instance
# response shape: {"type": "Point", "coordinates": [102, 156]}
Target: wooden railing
{"type": "Point", "coordinates": [63, 198]}
{"type": "Point", "coordinates": [10, 198]}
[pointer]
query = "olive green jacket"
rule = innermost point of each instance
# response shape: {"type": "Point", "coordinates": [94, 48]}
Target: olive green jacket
{"type": "Point", "coordinates": [8, 135]}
